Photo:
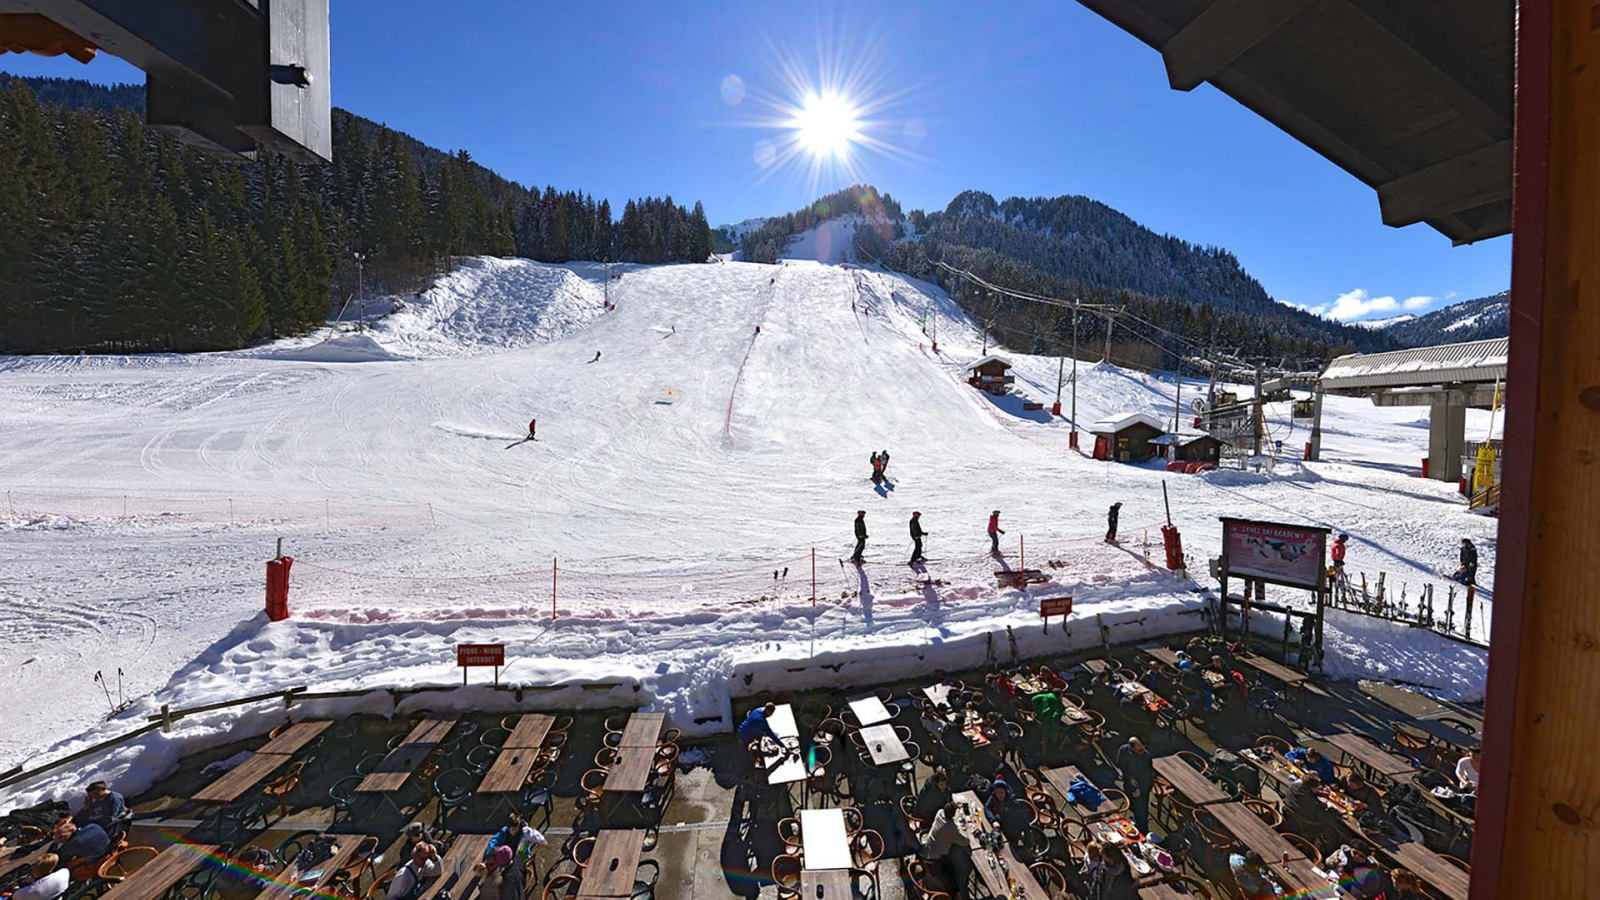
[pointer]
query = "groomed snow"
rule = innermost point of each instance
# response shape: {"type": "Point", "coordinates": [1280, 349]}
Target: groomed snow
{"type": "Point", "coordinates": [671, 479]}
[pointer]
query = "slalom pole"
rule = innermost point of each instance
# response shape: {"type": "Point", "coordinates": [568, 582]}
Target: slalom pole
{"type": "Point", "coordinates": [552, 588]}
{"type": "Point", "coordinates": [813, 576]}
{"type": "Point", "coordinates": [1022, 561]}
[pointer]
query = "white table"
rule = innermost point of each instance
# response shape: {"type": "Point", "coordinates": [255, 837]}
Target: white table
{"type": "Point", "coordinates": [786, 766]}
{"type": "Point", "coordinates": [938, 693]}
{"type": "Point", "coordinates": [883, 745]}
{"type": "Point", "coordinates": [869, 711]}
{"type": "Point", "coordinates": [824, 844]}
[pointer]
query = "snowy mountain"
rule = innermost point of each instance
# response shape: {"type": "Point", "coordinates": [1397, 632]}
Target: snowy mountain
{"type": "Point", "coordinates": [1385, 323]}
{"type": "Point", "coordinates": [1469, 320]}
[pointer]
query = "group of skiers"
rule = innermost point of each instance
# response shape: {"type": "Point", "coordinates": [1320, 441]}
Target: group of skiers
{"type": "Point", "coordinates": [918, 532]}
{"type": "Point", "coordinates": [880, 462]}
{"type": "Point", "coordinates": [1466, 573]}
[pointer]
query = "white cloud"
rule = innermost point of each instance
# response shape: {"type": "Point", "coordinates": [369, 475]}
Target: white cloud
{"type": "Point", "coordinates": [1357, 303]}
{"type": "Point", "coordinates": [1418, 302]}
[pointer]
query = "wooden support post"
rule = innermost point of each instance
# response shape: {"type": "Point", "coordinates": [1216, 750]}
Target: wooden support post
{"type": "Point", "coordinates": [166, 718]}
{"type": "Point", "coordinates": [1544, 672]}
{"type": "Point", "coordinates": [813, 576]}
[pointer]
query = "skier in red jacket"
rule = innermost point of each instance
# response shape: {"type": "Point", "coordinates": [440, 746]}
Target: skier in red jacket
{"type": "Point", "coordinates": [994, 532]}
{"type": "Point", "coordinates": [533, 425]}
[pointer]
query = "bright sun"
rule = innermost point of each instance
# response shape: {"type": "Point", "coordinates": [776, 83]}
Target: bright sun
{"type": "Point", "coordinates": [827, 125]}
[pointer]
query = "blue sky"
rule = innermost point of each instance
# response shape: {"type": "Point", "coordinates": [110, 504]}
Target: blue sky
{"type": "Point", "coordinates": [1036, 98]}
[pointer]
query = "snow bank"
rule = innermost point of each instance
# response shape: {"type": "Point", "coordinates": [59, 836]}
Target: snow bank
{"type": "Point", "coordinates": [346, 348]}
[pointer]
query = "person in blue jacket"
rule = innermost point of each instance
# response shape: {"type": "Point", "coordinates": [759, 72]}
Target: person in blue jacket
{"type": "Point", "coordinates": [755, 726]}
{"type": "Point", "coordinates": [1310, 758]}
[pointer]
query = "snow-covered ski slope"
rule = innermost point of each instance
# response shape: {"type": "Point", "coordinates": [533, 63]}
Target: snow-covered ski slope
{"type": "Point", "coordinates": [671, 479]}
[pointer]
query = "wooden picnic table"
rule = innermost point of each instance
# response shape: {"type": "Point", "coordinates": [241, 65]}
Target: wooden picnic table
{"type": "Point", "coordinates": [531, 731]}
{"type": "Point", "coordinates": [458, 869]}
{"type": "Point", "coordinates": [613, 863]}
{"type": "Point", "coordinates": [396, 768]}
{"type": "Point", "coordinates": [1370, 755]}
{"type": "Point", "coordinates": [292, 882]}
{"type": "Point", "coordinates": [869, 711]}
{"type": "Point", "coordinates": [241, 778]}
{"type": "Point", "coordinates": [1303, 882]}
{"type": "Point", "coordinates": [1098, 666]}
{"type": "Point", "coordinates": [825, 884]}
{"type": "Point", "coordinates": [883, 745]}
{"type": "Point", "coordinates": [1252, 832]}
{"type": "Point", "coordinates": [630, 773]}
{"type": "Point", "coordinates": [14, 857]}
{"type": "Point", "coordinates": [510, 770]}
{"type": "Point", "coordinates": [992, 870]}
{"type": "Point", "coordinates": [824, 843]}
{"type": "Point", "coordinates": [643, 730]}
{"type": "Point", "coordinates": [1162, 892]}
{"type": "Point", "coordinates": [152, 880]}
{"type": "Point", "coordinates": [1061, 778]}
{"type": "Point", "coordinates": [1438, 872]}
{"type": "Point", "coordinates": [1161, 653]}
{"type": "Point", "coordinates": [1186, 780]}
{"type": "Point", "coordinates": [785, 766]}
{"type": "Point", "coordinates": [1273, 668]}
{"type": "Point", "coordinates": [1271, 764]}
{"type": "Point", "coordinates": [294, 738]}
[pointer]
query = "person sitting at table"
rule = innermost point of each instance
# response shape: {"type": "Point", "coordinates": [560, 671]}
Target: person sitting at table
{"type": "Point", "coordinates": [423, 866]}
{"type": "Point", "coordinates": [1047, 708]}
{"type": "Point", "coordinates": [934, 795]}
{"type": "Point", "coordinates": [1191, 681]}
{"type": "Point", "coordinates": [417, 833]}
{"type": "Point", "coordinates": [945, 845]}
{"type": "Point", "coordinates": [1138, 773]}
{"type": "Point", "coordinates": [47, 880]}
{"type": "Point", "coordinates": [1405, 885]}
{"type": "Point", "coordinates": [1152, 677]}
{"type": "Point", "coordinates": [1360, 790]}
{"type": "Point", "coordinates": [78, 845]}
{"type": "Point", "coordinates": [516, 835]}
{"type": "Point", "coordinates": [492, 870]}
{"type": "Point", "coordinates": [1467, 768]}
{"type": "Point", "coordinates": [513, 883]}
{"type": "Point", "coordinates": [755, 726]}
{"type": "Point", "coordinates": [1106, 873]}
{"type": "Point", "coordinates": [1357, 871]}
{"type": "Point", "coordinates": [1303, 808]}
{"type": "Point", "coordinates": [1250, 874]}
{"type": "Point", "coordinates": [1312, 760]}
{"type": "Point", "coordinates": [104, 807]}
{"type": "Point", "coordinates": [1013, 818]}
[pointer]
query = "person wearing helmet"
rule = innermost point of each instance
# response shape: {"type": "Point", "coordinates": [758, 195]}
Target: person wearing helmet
{"type": "Point", "coordinates": [1337, 552]}
{"type": "Point", "coordinates": [994, 532]}
{"type": "Point", "coordinates": [861, 536]}
{"type": "Point", "coordinates": [916, 537]}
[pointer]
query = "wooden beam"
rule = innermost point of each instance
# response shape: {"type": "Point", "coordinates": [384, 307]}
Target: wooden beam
{"type": "Point", "coordinates": [1538, 838]}
{"type": "Point", "coordinates": [1223, 32]}
{"type": "Point", "coordinates": [1465, 182]}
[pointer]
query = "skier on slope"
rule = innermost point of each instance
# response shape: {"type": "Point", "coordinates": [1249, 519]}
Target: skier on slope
{"type": "Point", "coordinates": [1337, 552]}
{"type": "Point", "coordinates": [1468, 573]}
{"type": "Point", "coordinates": [533, 425]}
{"type": "Point", "coordinates": [916, 537]}
{"type": "Point", "coordinates": [877, 468]}
{"type": "Point", "coordinates": [884, 458]}
{"type": "Point", "coordinates": [994, 532]}
{"type": "Point", "coordinates": [1111, 523]}
{"type": "Point", "coordinates": [596, 357]}
{"type": "Point", "coordinates": [861, 536]}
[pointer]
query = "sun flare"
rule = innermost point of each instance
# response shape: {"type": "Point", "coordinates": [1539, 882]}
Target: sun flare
{"type": "Point", "coordinates": [827, 125]}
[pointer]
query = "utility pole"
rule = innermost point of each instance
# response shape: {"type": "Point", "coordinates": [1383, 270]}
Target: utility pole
{"type": "Point", "coordinates": [1255, 425]}
{"type": "Point", "coordinates": [1177, 405]}
{"type": "Point", "coordinates": [1316, 426]}
{"type": "Point", "coordinates": [1061, 374]}
{"type": "Point", "coordinates": [1109, 319]}
{"type": "Point", "coordinates": [361, 299]}
{"type": "Point", "coordinates": [1073, 442]}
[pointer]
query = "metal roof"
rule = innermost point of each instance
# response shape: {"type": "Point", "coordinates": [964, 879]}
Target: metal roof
{"type": "Point", "coordinates": [1413, 97]}
{"type": "Point", "coordinates": [1116, 424]}
{"type": "Point", "coordinates": [1473, 362]}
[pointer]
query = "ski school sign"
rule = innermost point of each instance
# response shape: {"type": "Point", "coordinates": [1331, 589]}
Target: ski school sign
{"type": "Point", "coordinates": [1290, 555]}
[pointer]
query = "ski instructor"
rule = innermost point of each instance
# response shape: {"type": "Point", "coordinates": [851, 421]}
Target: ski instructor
{"type": "Point", "coordinates": [916, 537]}
{"type": "Point", "coordinates": [861, 536]}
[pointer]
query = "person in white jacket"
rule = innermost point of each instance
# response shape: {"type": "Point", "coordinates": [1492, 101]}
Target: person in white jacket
{"type": "Point", "coordinates": [423, 866]}
{"type": "Point", "coordinates": [49, 880]}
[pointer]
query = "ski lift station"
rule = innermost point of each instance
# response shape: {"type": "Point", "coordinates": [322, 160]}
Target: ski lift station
{"type": "Point", "coordinates": [991, 374]}
{"type": "Point", "coordinates": [1448, 378]}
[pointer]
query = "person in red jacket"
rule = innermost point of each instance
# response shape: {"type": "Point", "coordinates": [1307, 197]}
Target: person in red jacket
{"type": "Point", "coordinates": [994, 532]}
{"type": "Point", "coordinates": [533, 425]}
{"type": "Point", "coordinates": [1337, 552]}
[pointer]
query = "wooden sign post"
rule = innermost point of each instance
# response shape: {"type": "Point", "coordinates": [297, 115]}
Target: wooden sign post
{"type": "Point", "coordinates": [1055, 606]}
{"type": "Point", "coordinates": [470, 655]}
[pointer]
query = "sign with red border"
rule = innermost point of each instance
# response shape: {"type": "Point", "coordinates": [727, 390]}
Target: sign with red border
{"type": "Point", "coordinates": [1055, 606]}
{"type": "Point", "coordinates": [469, 655]}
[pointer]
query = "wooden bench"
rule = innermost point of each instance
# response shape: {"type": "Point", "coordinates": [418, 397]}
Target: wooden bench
{"type": "Point", "coordinates": [397, 767]}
